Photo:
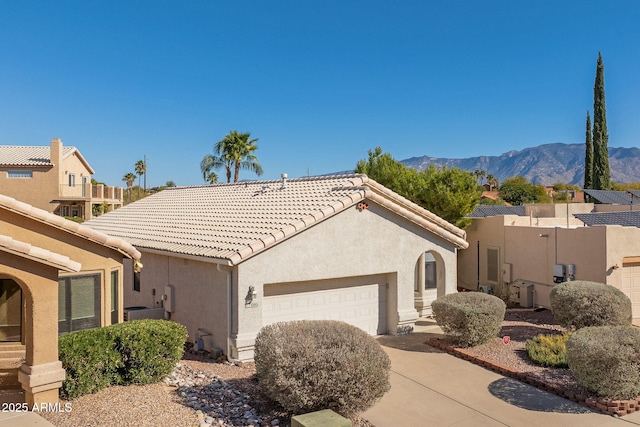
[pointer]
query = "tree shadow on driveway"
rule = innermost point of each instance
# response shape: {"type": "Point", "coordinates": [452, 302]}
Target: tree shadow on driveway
{"type": "Point", "coordinates": [528, 397]}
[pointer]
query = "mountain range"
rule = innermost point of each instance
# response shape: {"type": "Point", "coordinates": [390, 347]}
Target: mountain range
{"type": "Point", "coordinates": [545, 164]}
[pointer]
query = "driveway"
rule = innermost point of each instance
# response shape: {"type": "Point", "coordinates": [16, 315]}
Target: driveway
{"type": "Point", "coordinates": [430, 387]}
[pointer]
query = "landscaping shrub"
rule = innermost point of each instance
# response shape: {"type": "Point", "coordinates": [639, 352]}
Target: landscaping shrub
{"type": "Point", "coordinates": [323, 364]}
{"type": "Point", "coordinates": [580, 304]}
{"type": "Point", "coordinates": [548, 350]}
{"type": "Point", "coordinates": [149, 349]}
{"type": "Point", "coordinates": [90, 360]}
{"type": "Point", "coordinates": [469, 318]}
{"type": "Point", "coordinates": [137, 352]}
{"type": "Point", "coordinates": [606, 360]}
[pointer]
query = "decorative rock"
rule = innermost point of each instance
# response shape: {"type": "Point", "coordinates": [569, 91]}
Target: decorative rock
{"type": "Point", "coordinates": [215, 401]}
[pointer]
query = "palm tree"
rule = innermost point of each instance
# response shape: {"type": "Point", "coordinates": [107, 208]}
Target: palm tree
{"type": "Point", "coordinates": [141, 169]}
{"type": "Point", "coordinates": [129, 178]}
{"type": "Point", "coordinates": [492, 181]}
{"type": "Point", "coordinates": [234, 151]}
{"type": "Point", "coordinates": [210, 162]}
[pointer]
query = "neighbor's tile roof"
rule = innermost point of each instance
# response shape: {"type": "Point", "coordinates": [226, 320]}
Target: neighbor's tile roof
{"type": "Point", "coordinates": [483, 211]}
{"type": "Point", "coordinates": [611, 197]}
{"type": "Point", "coordinates": [626, 218]}
{"type": "Point", "coordinates": [61, 262]}
{"type": "Point", "coordinates": [14, 155]}
{"type": "Point", "coordinates": [231, 222]}
{"type": "Point", "coordinates": [88, 233]}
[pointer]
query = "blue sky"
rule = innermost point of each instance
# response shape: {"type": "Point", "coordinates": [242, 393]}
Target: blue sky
{"type": "Point", "coordinates": [318, 82]}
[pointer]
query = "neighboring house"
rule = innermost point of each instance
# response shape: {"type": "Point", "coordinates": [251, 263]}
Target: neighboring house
{"type": "Point", "coordinates": [54, 178]}
{"type": "Point", "coordinates": [227, 259]}
{"type": "Point", "coordinates": [56, 276]}
{"type": "Point", "coordinates": [526, 255]}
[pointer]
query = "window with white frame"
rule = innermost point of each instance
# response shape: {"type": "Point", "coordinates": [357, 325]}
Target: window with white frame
{"type": "Point", "coordinates": [72, 180]}
{"type": "Point", "coordinates": [20, 174]}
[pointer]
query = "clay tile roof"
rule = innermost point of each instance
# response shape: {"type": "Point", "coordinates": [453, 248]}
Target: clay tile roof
{"type": "Point", "coordinates": [14, 155]}
{"type": "Point", "coordinates": [41, 215]}
{"type": "Point", "coordinates": [231, 222]}
{"type": "Point", "coordinates": [61, 262]}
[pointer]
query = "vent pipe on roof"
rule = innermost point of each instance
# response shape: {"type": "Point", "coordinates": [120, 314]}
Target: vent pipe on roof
{"type": "Point", "coordinates": [284, 180]}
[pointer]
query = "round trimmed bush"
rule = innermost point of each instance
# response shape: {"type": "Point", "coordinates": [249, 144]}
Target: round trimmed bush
{"type": "Point", "coordinates": [310, 365]}
{"type": "Point", "coordinates": [606, 360]}
{"type": "Point", "coordinates": [548, 350]}
{"type": "Point", "coordinates": [581, 303]}
{"type": "Point", "coordinates": [469, 318]}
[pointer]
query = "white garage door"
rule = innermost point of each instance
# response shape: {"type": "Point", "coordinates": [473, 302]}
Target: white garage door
{"type": "Point", "coordinates": [631, 285]}
{"type": "Point", "coordinates": [359, 301]}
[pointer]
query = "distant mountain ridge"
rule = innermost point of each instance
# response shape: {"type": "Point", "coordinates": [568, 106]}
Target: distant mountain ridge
{"type": "Point", "coordinates": [545, 164]}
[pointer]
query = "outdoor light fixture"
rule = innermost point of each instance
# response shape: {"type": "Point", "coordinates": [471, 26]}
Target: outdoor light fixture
{"type": "Point", "coordinates": [251, 295]}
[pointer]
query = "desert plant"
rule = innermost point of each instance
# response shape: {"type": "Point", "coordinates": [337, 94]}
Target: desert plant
{"type": "Point", "coordinates": [469, 318]}
{"type": "Point", "coordinates": [323, 364]}
{"type": "Point", "coordinates": [606, 360]}
{"type": "Point", "coordinates": [548, 350]}
{"type": "Point", "coordinates": [137, 352]}
{"type": "Point", "coordinates": [580, 304]}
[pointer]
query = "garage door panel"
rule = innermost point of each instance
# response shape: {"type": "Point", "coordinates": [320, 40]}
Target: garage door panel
{"type": "Point", "coordinates": [362, 305]}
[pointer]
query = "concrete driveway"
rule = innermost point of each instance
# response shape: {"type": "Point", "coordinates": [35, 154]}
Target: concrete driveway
{"type": "Point", "coordinates": [432, 388]}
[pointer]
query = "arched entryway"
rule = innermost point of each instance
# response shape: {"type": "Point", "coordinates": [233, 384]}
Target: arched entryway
{"type": "Point", "coordinates": [429, 281]}
{"type": "Point", "coordinates": [10, 311]}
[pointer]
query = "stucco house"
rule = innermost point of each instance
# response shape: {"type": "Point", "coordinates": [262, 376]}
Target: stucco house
{"type": "Point", "coordinates": [56, 276]}
{"type": "Point", "coordinates": [54, 178]}
{"type": "Point", "coordinates": [227, 259]}
{"type": "Point", "coordinates": [528, 252]}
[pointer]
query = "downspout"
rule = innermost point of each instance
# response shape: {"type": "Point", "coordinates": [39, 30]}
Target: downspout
{"type": "Point", "coordinates": [478, 266]}
{"type": "Point", "coordinates": [229, 271]}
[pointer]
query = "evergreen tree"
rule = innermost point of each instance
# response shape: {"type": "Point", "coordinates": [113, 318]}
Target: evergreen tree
{"type": "Point", "coordinates": [601, 173]}
{"type": "Point", "coordinates": [588, 156]}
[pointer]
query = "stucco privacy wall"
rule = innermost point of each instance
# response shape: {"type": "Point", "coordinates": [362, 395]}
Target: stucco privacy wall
{"type": "Point", "coordinates": [353, 243]}
{"type": "Point", "coordinates": [200, 294]}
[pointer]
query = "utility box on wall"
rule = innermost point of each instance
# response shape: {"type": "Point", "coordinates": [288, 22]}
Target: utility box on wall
{"type": "Point", "coordinates": [559, 273]}
{"type": "Point", "coordinates": [168, 299]}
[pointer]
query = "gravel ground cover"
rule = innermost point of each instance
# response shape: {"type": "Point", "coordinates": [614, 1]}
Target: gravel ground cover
{"type": "Point", "coordinates": [204, 392]}
{"type": "Point", "coordinates": [200, 392]}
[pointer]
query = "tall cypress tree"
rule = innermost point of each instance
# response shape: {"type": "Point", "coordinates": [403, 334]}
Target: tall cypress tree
{"type": "Point", "coordinates": [601, 173]}
{"type": "Point", "coordinates": [588, 156]}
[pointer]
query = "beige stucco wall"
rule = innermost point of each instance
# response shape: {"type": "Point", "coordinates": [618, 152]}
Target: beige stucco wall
{"type": "Point", "coordinates": [533, 251]}
{"type": "Point", "coordinates": [94, 257]}
{"type": "Point", "coordinates": [199, 294]}
{"type": "Point", "coordinates": [352, 243]}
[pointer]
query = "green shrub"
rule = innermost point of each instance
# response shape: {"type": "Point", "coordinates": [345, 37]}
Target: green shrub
{"type": "Point", "coordinates": [137, 352]}
{"type": "Point", "coordinates": [580, 304]}
{"type": "Point", "coordinates": [548, 350]}
{"type": "Point", "coordinates": [323, 364]}
{"type": "Point", "coordinates": [469, 318]}
{"type": "Point", "coordinates": [90, 360]}
{"type": "Point", "coordinates": [149, 349]}
{"type": "Point", "coordinates": [606, 360]}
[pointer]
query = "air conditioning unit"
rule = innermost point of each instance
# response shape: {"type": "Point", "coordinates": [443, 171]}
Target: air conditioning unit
{"type": "Point", "coordinates": [137, 313]}
{"type": "Point", "coordinates": [487, 289]}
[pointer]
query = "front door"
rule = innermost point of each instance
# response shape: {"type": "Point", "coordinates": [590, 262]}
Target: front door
{"type": "Point", "coordinates": [10, 311]}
